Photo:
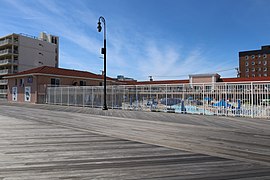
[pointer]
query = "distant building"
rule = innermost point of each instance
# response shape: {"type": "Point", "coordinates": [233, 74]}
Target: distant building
{"type": "Point", "coordinates": [20, 52]}
{"type": "Point", "coordinates": [123, 78]}
{"type": "Point", "coordinates": [255, 63]}
{"type": "Point", "coordinates": [203, 78]}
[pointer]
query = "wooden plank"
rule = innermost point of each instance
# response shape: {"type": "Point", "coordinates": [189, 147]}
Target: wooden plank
{"type": "Point", "coordinates": [45, 144]}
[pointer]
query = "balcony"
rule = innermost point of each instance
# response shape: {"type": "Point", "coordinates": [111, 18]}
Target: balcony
{"type": "Point", "coordinates": [5, 42]}
{"type": "Point", "coordinates": [8, 51]}
{"type": "Point", "coordinates": [5, 51]}
{"type": "Point", "coordinates": [8, 62]}
{"type": "Point", "coordinates": [3, 91]}
{"type": "Point", "coordinates": [3, 82]}
{"type": "Point", "coordinates": [5, 71]}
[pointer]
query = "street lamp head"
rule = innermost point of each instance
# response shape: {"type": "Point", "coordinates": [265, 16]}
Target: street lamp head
{"type": "Point", "coordinates": [99, 26]}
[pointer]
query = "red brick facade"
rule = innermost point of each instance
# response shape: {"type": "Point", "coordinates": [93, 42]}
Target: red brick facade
{"type": "Point", "coordinates": [255, 63]}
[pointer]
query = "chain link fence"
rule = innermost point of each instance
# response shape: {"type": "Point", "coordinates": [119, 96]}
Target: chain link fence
{"type": "Point", "coordinates": [224, 99]}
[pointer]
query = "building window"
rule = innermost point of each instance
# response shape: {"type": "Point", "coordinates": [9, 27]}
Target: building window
{"type": "Point", "coordinates": [247, 75]}
{"type": "Point", "coordinates": [54, 40]}
{"type": "Point", "coordinates": [246, 63]}
{"type": "Point", "coordinates": [253, 56]}
{"type": "Point", "coordinates": [247, 70]}
{"type": "Point", "coordinates": [265, 69]}
{"type": "Point", "coordinates": [55, 81]}
{"type": "Point", "coordinates": [253, 75]}
{"type": "Point", "coordinates": [30, 79]}
{"type": "Point", "coordinates": [253, 69]}
{"type": "Point", "coordinates": [247, 57]}
{"type": "Point", "coordinates": [259, 75]}
{"type": "Point", "coordinates": [82, 83]}
{"type": "Point", "coordinates": [253, 63]}
{"type": "Point", "coordinates": [265, 62]}
{"type": "Point", "coordinates": [21, 82]}
{"type": "Point", "coordinates": [265, 74]}
{"type": "Point", "coordinates": [259, 55]}
{"type": "Point", "coordinates": [265, 56]}
{"type": "Point", "coordinates": [259, 69]}
{"type": "Point", "coordinates": [259, 62]}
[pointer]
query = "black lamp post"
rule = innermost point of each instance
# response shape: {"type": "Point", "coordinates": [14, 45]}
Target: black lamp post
{"type": "Point", "coordinates": [103, 51]}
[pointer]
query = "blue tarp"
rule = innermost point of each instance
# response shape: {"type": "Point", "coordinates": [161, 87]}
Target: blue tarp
{"type": "Point", "coordinates": [239, 104]}
{"type": "Point", "coordinates": [208, 99]}
{"type": "Point", "coordinates": [222, 103]}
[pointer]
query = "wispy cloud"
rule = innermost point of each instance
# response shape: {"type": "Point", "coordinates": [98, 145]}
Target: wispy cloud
{"type": "Point", "coordinates": [158, 60]}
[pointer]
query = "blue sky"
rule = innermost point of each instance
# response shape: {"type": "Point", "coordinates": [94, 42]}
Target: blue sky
{"type": "Point", "coordinates": [167, 39]}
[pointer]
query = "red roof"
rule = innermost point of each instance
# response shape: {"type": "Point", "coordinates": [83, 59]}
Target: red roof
{"type": "Point", "coordinates": [251, 79]}
{"type": "Point", "coordinates": [60, 72]}
{"type": "Point", "coordinates": [244, 79]}
{"type": "Point", "coordinates": [46, 70]}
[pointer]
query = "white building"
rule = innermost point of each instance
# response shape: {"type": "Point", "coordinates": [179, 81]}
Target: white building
{"type": "Point", "coordinates": [20, 52]}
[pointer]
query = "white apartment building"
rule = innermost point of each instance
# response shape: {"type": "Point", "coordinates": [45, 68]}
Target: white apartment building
{"type": "Point", "coordinates": [20, 52]}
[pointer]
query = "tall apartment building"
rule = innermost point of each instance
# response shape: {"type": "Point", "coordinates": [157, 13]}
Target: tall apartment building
{"type": "Point", "coordinates": [255, 63]}
{"type": "Point", "coordinates": [20, 52]}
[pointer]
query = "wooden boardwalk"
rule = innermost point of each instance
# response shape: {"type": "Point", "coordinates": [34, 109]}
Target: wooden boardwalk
{"type": "Point", "coordinates": [54, 142]}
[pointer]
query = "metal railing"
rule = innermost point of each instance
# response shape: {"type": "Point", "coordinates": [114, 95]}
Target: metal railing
{"type": "Point", "coordinates": [5, 51]}
{"type": "Point", "coordinates": [3, 81]}
{"type": "Point", "coordinates": [225, 99]}
{"type": "Point", "coordinates": [6, 41]}
{"type": "Point", "coordinates": [7, 61]}
{"type": "Point", "coordinates": [3, 91]}
{"type": "Point", "coordinates": [5, 71]}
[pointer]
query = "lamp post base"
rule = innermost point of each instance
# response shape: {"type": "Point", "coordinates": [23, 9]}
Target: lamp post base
{"type": "Point", "coordinates": [105, 107]}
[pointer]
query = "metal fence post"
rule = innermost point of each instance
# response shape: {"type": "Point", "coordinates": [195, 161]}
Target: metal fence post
{"type": "Point", "coordinates": [112, 96]}
{"type": "Point", "coordinates": [61, 96]}
{"type": "Point", "coordinates": [92, 96]}
{"type": "Point", "coordinates": [203, 99]}
{"type": "Point", "coordinates": [227, 100]}
{"type": "Point", "coordinates": [48, 96]}
{"type": "Point", "coordinates": [151, 102]}
{"type": "Point", "coordinates": [124, 97]}
{"type": "Point", "coordinates": [68, 96]}
{"type": "Point", "coordinates": [252, 103]}
{"type": "Point", "coordinates": [83, 95]}
{"type": "Point", "coordinates": [166, 97]}
{"type": "Point", "coordinates": [54, 99]}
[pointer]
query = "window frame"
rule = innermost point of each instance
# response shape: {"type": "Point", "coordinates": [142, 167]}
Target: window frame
{"type": "Point", "coordinates": [56, 82]}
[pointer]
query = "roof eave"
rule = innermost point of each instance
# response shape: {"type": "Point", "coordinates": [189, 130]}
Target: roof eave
{"type": "Point", "coordinates": [56, 75]}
